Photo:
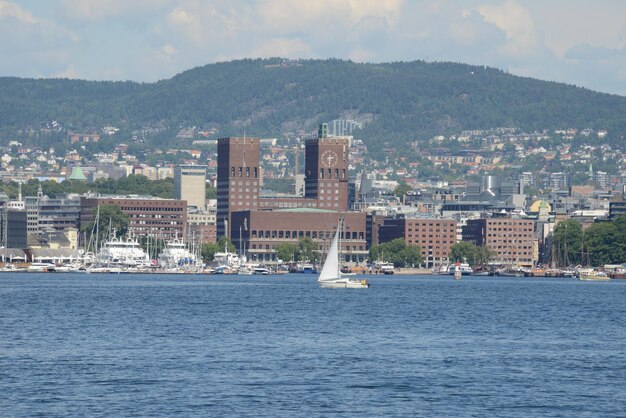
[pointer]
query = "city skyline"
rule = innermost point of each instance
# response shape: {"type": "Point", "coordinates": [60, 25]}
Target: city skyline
{"type": "Point", "coordinates": [566, 41]}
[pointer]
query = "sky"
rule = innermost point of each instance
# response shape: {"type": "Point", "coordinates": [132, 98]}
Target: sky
{"type": "Point", "coordinates": [578, 42]}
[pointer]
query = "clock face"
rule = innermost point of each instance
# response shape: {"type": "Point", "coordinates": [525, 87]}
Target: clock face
{"type": "Point", "coordinates": [329, 158]}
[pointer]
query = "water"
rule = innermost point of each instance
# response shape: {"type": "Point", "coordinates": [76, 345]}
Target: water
{"type": "Point", "coordinates": [126, 345]}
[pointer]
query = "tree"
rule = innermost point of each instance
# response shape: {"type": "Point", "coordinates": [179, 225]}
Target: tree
{"type": "Point", "coordinates": [288, 252]}
{"type": "Point", "coordinates": [308, 249]}
{"type": "Point", "coordinates": [484, 254]}
{"type": "Point", "coordinates": [396, 252]}
{"type": "Point", "coordinates": [605, 242]}
{"type": "Point", "coordinates": [402, 189]}
{"type": "Point", "coordinates": [568, 239]}
{"type": "Point", "coordinates": [464, 251]}
{"type": "Point", "coordinates": [207, 252]}
{"type": "Point", "coordinates": [111, 220]}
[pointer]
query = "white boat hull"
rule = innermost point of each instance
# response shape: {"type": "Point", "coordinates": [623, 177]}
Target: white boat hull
{"type": "Point", "coordinates": [345, 284]}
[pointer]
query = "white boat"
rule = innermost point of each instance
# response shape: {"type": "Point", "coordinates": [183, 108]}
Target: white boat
{"type": "Point", "coordinates": [12, 268]}
{"type": "Point", "coordinates": [37, 267]}
{"type": "Point", "coordinates": [176, 255]}
{"type": "Point", "coordinates": [385, 267]}
{"type": "Point", "coordinates": [261, 270]}
{"type": "Point", "coordinates": [245, 270]}
{"type": "Point", "coordinates": [331, 276]}
{"type": "Point", "coordinates": [227, 261]}
{"type": "Point", "coordinates": [121, 254]}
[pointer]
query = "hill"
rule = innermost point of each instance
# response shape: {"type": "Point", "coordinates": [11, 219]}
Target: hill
{"type": "Point", "coordinates": [399, 102]}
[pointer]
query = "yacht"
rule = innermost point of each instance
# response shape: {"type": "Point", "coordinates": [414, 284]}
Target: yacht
{"type": "Point", "coordinates": [261, 270]}
{"type": "Point", "coordinates": [176, 256]}
{"type": "Point", "coordinates": [118, 253]}
{"type": "Point", "coordinates": [37, 267]}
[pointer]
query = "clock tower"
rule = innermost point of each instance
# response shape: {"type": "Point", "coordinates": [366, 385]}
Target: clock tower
{"type": "Point", "coordinates": [326, 172]}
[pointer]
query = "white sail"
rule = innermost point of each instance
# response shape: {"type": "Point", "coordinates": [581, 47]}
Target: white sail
{"type": "Point", "coordinates": [330, 270]}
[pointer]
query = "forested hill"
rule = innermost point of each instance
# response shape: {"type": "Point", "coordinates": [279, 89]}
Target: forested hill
{"type": "Point", "coordinates": [398, 101]}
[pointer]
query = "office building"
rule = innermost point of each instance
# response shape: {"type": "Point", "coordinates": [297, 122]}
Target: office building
{"type": "Point", "coordinates": [148, 216]}
{"type": "Point", "coordinates": [190, 185]}
{"type": "Point", "coordinates": [512, 240]}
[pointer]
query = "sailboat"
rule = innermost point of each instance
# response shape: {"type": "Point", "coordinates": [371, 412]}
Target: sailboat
{"type": "Point", "coordinates": [331, 276]}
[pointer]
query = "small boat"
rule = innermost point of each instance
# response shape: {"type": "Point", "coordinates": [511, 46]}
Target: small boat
{"type": "Point", "coordinates": [306, 268]}
{"type": "Point", "coordinates": [245, 270]}
{"type": "Point", "coordinates": [592, 275]}
{"type": "Point", "coordinates": [261, 270]}
{"type": "Point", "coordinates": [385, 268]}
{"type": "Point", "coordinates": [331, 276]}
{"type": "Point", "coordinates": [37, 267]}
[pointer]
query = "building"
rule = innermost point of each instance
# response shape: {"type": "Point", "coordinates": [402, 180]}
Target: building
{"type": "Point", "coordinates": [326, 172]}
{"type": "Point", "coordinates": [602, 179]}
{"type": "Point", "coordinates": [556, 181]}
{"type": "Point", "coordinates": [258, 233]}
{"type": "Point", "coordinates": [343, 127]}
{"type": "Point", "coordinates": [238, 178]}
{"type": "Point", "coordinates": [14, 228]}
{"type": "Point", "coordinates": [434, 236]}
{"type": "Point", "coordinates": [148, 216]}
{"type": "Point", "coordinates": [190, 185]}
{"type": "Point", "coordinates": [617, 208]}
{"type": "Point", "coordinates": [201, 226]}
{"type": "Point", "coordinates": [512, 240]}
{"type": "Point", "coordinates": [75, 137]}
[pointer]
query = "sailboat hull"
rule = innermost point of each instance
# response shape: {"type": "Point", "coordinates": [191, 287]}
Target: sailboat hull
{"type": "Point", "coordinates": [345, 284]}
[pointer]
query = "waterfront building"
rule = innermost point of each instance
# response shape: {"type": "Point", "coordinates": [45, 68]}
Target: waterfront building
{"type": "Point", "coordinates": [190, 184]}
{"type": "Point", "coordinates": [148, 216]}
{"type": "Point", "coordinates": [258, 233]}
{"type": "Point", "coordinates": [239, 179]}
{"type": "Point", "coordinates": [434, 236]}
{"type": "Point", "coordinates": [512, 240]}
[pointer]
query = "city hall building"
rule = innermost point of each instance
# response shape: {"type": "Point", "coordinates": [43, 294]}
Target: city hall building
{"type": "Point", "coordinates": [259, 223]}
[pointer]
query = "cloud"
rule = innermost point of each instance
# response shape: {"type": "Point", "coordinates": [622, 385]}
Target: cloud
{"type": "Point", "coordinates": [517, 22]}
{"type": "Point", "coordinates": [146, 40]}
{"type": "Point", "coordinates": [12, 10]}
{"type": "Point", "coordinates": [106, 9]}
{"type": "Point", "coordinates": [36, 47]}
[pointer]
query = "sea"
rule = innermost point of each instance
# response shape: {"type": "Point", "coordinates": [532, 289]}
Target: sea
{"type": "Point", "coordinates": [93, 345]}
